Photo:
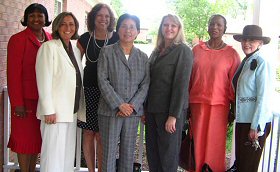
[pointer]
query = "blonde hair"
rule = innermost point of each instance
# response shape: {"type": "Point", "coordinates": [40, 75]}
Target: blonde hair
{"type": "Point", "coordinates": [180, 38]}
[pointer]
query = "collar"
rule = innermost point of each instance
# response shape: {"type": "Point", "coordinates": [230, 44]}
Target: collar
{"type": "Point", "coordinates": [203, 45]}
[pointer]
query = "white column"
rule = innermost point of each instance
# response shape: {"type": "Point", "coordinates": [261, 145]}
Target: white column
{"type": "Point", "coordinates": [256, 12]}
{"type": "Point", "coordinates": [267, 14]}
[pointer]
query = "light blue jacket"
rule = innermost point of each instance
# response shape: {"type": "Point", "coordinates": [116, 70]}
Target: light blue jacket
{"type": "Point", "coordinates": [253, 93]}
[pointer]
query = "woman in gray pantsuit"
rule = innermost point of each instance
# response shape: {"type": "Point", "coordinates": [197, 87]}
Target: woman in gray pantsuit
{"type": "Point", "coordinates": [123, 80]}
{"type": "Point", "coordinates": [170, 69]}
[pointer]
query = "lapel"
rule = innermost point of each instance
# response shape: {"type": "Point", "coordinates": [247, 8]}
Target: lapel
{"type": "Point", "coordinates": [162, 56]}
{"type": "Point", "coordinates": [133, 56]}
{"type": "Point", "coordinates": [63, 52]}
{"type": "Point", "coordinates": [122, 55]}
{"type": "Point", "coordinates": [77, 56]}
{"type": "Point", "coordinates": [32, 37]}
{"type": "Point", "coordinates": [48, 36]}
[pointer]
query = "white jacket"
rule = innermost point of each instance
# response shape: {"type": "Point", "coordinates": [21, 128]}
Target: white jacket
{"type": "Point", "coordinates": [56, 81]}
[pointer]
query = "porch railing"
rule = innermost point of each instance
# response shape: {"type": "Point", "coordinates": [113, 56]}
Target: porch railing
{"type": "Point", "coordinates": [8, 165]}
{"type": "Point", "coordinates": [269, 162]}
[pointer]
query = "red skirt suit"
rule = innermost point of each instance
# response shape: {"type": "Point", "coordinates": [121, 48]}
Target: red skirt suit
{"type": "Point", "coordinates": [25, 135]}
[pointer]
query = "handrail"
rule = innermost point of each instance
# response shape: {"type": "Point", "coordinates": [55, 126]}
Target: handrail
{"type": "Point", "coordinates": [269, 161]}
{"type": "Point", "coordinates": [8, 165]}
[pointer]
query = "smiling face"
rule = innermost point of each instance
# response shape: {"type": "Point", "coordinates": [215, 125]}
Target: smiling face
{"type": "Point", "coordinates": [216, 27]}
{"type": "Point", "coordinates": [170, 29]}
{"type": "Point", "coordinates": [128, 31]}
{"type": "Point", "coordinates": [250, 45]}
{"type": "Point", "coordinates": [67, 28]}
{"type": "Point", "coordinates": [102, 19]}
{"type": "Point", "coordinates": [36, 20]}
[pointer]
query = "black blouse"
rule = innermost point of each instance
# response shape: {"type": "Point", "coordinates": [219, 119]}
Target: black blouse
{"type": "Point", "coordinates": [90, 70]}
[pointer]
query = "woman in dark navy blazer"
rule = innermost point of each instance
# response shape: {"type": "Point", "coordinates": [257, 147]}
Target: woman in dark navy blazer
{"type": "Point", "coordinates": [170, 70]}
{"type": "Point", "coordinates": [25, 138]}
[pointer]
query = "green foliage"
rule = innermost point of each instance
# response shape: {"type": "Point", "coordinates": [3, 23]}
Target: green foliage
{"type": "Point", "coordinates": [278, 74]}
{"type": "Point", "coordinates": [117, 6]}
{"type": "Point", "coordinates": [140, 42]}
{"type": "Point", "coordinates": [229, 138]}
{"type": "Point", "coordinates": [195, 14]}
{"type": "Point", "coordinates": [278, 78]}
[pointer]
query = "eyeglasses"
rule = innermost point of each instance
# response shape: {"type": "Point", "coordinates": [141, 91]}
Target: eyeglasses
{"type": "Point", "coordinates": [126, 27]}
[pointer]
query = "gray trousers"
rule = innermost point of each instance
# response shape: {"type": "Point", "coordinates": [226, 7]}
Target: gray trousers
{"type": "Point", "coordinates": [162, 147]}
{"type": "Point", "coordinates": [111, 130]}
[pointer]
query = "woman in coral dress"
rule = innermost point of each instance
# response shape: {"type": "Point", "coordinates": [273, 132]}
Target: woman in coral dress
{"type": "Point", "coordinates": [211, 91]}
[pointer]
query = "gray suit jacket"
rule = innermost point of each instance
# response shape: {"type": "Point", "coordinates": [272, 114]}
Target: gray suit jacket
{"type": "Point", "coordinates": [121, 80]}
{"type": "Point", "coordinates": [170, 75]}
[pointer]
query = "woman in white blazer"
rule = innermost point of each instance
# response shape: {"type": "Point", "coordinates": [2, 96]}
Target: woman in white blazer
{"type": "Point", "coordinates": [61, 100]}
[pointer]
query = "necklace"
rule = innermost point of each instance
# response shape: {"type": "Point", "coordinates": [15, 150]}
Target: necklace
{"type": "Point", "coordinates": [217, 48]}
{"type": "Point", "coordinates": [43, 38]}
{"type": "Point", "coordinates": [97, 46]}
{"type": "Point", "coordinates": [105, 41]}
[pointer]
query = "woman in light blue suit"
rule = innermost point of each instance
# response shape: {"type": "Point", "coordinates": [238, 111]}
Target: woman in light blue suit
{"type": "Point", "coordinates": [123, 79]}
{"type": "Point", "coordinates": [253, 83]}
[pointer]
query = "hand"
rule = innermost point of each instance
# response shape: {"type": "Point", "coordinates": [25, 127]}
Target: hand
{"type": "Point", "coordinates": [119, 113]}
{"type": "Point", "coordinates": [20, 111]}
{"type": "Point", "coordinates": [126, 109]}
{"type": "Point", "coordinates": [50, 119]}
{"type": "Point", "coordinates": [253, 135]}
{"type": "Point", "coordinates": [170, 125]}
{"type": "Point", "coordinates": [143, 118]}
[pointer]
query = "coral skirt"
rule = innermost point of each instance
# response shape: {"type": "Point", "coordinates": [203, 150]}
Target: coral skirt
{"type": "Point", "coordinates": [25, 137]}
{"type": "Point", "coordinates": [209, 125]}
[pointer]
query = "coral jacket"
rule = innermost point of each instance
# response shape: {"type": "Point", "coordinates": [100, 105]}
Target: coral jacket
{"type": "Point", "coordinates": [22, 52]}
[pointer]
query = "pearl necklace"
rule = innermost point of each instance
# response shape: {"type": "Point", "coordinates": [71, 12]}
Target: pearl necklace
{"type": "Point", "coordinates": [105, 43]}
{"type": "Point", "coordinates": [219, 47]}
{"type": "Point", "coordinates": [43, 39]}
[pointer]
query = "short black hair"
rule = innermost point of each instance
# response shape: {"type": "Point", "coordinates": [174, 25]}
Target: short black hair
{"type": "Point", "coordinates": [128, 16]}
{"type": "Point", "coordinates": [35, 7]}
{"type": "Point", "coordinates": [221, 16]}
{"type": "Point", "coordinates": [92, 16]}
{"type": "Point", "coordinates": [59, 20]}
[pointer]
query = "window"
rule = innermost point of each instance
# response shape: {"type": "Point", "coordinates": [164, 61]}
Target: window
{"type": "Point", "coordinates": [57, 7]}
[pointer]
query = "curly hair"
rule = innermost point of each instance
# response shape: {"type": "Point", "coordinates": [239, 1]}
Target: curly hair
{"type": "Point", "coordinates": [92, 16]}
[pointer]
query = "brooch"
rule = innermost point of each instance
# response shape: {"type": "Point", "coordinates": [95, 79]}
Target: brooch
{"type": "Point", "coordinates": [253, 64]}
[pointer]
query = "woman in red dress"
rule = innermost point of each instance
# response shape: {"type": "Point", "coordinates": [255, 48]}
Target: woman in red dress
{"type": "Point", "coordinates": [25, 138]}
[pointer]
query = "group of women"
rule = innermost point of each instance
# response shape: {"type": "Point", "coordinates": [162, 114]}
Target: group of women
{"type": "Point", "coordinates": [51, 93]}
